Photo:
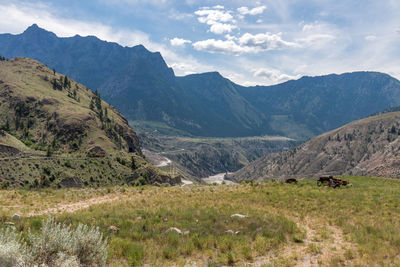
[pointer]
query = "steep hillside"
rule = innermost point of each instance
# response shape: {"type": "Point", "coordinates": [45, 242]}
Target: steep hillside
{"type": "Point", "coordinates": [146, 91]}
{"type": "Point", "coordinates": [220, 104]}
{"type": "Point", "coordinates": [369, 146]}
{"type": "Point", "coordinates": [53, 127]}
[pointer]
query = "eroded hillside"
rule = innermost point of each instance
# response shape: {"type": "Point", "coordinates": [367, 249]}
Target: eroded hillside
{"type": "Point", "coordinates": [369, 146]}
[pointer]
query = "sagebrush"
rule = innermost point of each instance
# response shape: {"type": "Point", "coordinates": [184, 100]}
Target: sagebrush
{"type": "Point", "coordinates": [55, 245]}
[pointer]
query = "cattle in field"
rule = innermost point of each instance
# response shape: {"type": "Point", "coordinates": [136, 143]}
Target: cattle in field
{"type": "Point", "coordinates": [291, 181]}
{"type": "Point", "coordinates": [332, 182]}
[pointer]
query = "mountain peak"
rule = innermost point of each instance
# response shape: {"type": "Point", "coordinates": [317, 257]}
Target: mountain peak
{"type": "Point", "coordinates": [34, 29]}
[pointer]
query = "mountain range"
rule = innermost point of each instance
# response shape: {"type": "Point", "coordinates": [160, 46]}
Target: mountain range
{"type": "Point", "coordinates": [143, 88]}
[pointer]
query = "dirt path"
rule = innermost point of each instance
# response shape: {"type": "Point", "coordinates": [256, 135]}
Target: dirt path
{"type": "Point", "coordinates": [323, 245]}
{"type": "Point", "coordinates": [80, 205]}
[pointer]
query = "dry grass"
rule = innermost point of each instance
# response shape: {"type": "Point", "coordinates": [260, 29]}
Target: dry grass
{"type": "Point", "coordinates": [288, 225]}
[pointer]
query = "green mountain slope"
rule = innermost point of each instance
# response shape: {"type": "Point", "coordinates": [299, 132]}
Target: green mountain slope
{"type": "Point", "coordinates": [56, 131]}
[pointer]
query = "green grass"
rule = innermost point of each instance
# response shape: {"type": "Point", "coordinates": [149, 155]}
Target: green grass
{"type": "Point", "coordinates": [368, 214]}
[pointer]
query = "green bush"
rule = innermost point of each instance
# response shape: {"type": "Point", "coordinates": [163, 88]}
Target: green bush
{"type": "Point", "coordinates": [55, 245]}
{"type": "Point", "coordinates": [12, 253]}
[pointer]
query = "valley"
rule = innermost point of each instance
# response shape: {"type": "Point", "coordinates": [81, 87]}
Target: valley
{"type": "Point", "coordinates": [113, 153]}
{"type": "Point", "coordinates": [197, 158]}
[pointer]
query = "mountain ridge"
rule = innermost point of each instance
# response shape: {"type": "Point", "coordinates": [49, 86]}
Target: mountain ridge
{"type": "Point", "coordinates": [141, 85]}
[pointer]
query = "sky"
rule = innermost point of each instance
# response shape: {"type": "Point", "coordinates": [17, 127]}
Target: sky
{"type": "Point", "coordinates": [251, 42]}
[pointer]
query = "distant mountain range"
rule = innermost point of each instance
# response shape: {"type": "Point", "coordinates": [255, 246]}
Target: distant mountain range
{"type": "Point", "coordinates": [370, 147]}
{"type": "Point", "coordinates": [146, 91]}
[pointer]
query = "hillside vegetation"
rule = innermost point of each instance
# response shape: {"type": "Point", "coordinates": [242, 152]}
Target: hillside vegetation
{"type": "Point", "coordinates": [54, 131]}
{"type": "Point", "coordinates": [369, 146]}
{"type": "Point", "coordinates": [143, 88]}
{"type": "Point", "coordinates": [286, 224]}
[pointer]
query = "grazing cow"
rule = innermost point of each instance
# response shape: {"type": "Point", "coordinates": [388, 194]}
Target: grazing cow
{"type": "Point", "coordinates": [291, 181]}
{"type": "Point", "coordinates": [324, 180]}
{"type": "Point", "coordinates": [331, 181]}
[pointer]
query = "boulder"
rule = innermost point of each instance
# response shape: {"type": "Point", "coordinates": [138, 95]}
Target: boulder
{"type": "Point", "coordinates": [96, 152]}
{"type": "Point", "coordinates": [237, 215]}
{"type": "Point", "coordinates": [114, 229]}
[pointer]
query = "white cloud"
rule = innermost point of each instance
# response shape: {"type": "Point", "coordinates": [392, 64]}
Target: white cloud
{"type": "Point", "coordinates": [219, 46]}
{"type": "Point", "coordinates": [176, 15]}
{"type": "Point", "coordinates": [247, 43]}
{"type": "Point", "coordinates": [179, 41]}
{"type": "Point", "coordinates": [318, 35]}
{"type": "Point", "coordinates": [265, 41]}
{"type": "Point", "coordinates": [220, 28]}
{"type": "Point", "coordinates": [254, 11]}
{"type": "Point", "coordinates": [210, 16]}
{"type": "Point", "coordinates": [218, 7]}
{"type": "Point", "coordinates": [273, 75]}
{"type": "Point", "coordinates": [370, 37]}
{"type": "Point", "coordinates": [220, 21]}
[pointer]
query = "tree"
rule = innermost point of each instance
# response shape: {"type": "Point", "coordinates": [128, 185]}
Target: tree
{"type": "Point", "coordinates": [49, 152]}
{"type": "Point", "coordinates": [133, 163]}
{"type": "Point", "coordinates": [91, 104]}
{"type": "Point", "coordinates": [66, 82]}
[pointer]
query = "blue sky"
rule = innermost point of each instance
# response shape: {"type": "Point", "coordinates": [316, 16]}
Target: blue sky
{"type": "Point", "coordinates": [250, 42]}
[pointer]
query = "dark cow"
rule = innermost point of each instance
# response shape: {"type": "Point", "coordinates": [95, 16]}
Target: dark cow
{"type": "Point", "coordinates": [291, 181]}
{"type": "Point", "coordinates": [331, 181]}
{"type": "Point", "coordinates": [324, 180]}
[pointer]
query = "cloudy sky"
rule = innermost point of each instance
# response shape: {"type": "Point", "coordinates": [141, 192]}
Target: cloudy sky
{"type": "Point", "coordinates": [250, 42]}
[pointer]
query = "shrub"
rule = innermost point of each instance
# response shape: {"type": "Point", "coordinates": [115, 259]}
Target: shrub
{"type": "Point", "coordinates": [56, 245]}
{"type": "Point", "coordinates": [12, 253]}
{"type": "Point", "coordinates": [57, 241]}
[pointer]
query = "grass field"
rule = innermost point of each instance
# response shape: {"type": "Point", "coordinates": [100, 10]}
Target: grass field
{"type": "Point", "coordinates": [287, 225]}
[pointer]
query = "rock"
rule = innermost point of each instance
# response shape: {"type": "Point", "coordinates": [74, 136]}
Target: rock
{"type": "Point", "coordinates": [174, 229]}
{"type": "Point", "coordinates": [236, 215]}
{"type": "Point", "coordinates": [16, 217]}
{"type": "Point", "coordinates": [232, 232]}
{"type": "Point", "coordinates": [69, 182]}
{"type": "Point", "coordinates": [114, 229]}
{"type": "Point", "coordinates": [96, 152]}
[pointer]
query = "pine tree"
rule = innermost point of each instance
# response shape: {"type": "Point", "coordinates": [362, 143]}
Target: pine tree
{"type": "Point", "coordinates": [91, 104]}
{"type": "Point", "coordinates": [133, 164]}
{"type": "Point", "coordinates": [7, 126]}
{"type": "Point", "coordinates": [49, 152]}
